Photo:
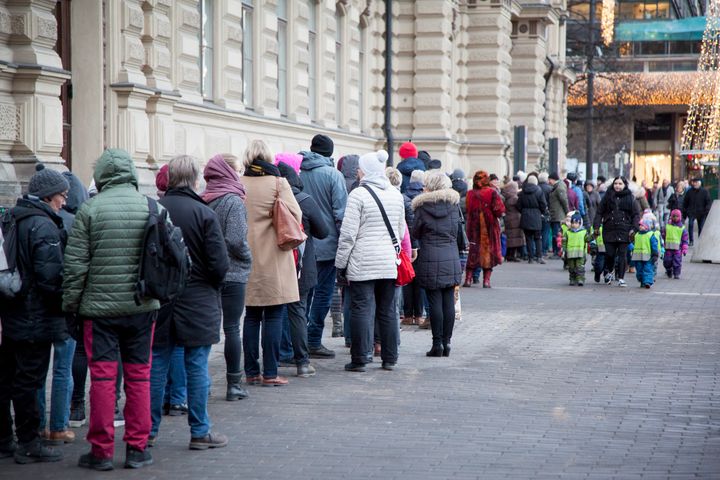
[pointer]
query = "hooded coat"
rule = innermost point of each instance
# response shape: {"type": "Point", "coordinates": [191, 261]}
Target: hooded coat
{"type": "Point", "coordinates": [532, 206]}
{"type": "Point", "coordinates": [558, 202]}
{"type": "Point", "coordinates": [406, 167]}
{"type": "Point", "coordinates": [618, 214]}
{"type": "Point", "coordinates": [327, 187]}
{"type": "Point", "coordinates": [513, 231]}
{"type": "Point", "coordinates": [365, 248]}
{"type": "Point", "coordinates": [37, 315]}
{"type": "Point", "coordinates": [437, 218]}
{"type": "Point", "coordinates": [76, 196]}
{"type": "Point", "coordinates": [103, 253]}
{"type": "Point", "coordinates": [348, 166]}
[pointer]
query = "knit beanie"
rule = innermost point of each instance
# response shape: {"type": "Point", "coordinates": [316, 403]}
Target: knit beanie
{"type": "Point", "coordinates": [645, 225]}
{"type": "Point", "coordinates": [161, 179]}
{"type": "Point", "coordinates": [373, 164]}
{"type": "Point", "coordinates": [576, 218]}
{"type": "Point", "coordinates": [408, 150]}
{"type": "Point", "coordinates": [291, 159]}
{"type": "Point", "coordinates": [47, 182]}
{"type": "Point", "coordinates": [457, 174]}
{"type": "Point", "coordinates": [322, 145]}
{"type": "Point", "coordinates": [532, 180]}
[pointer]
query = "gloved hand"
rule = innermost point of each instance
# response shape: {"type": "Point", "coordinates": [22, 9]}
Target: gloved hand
{"type": "Point", "coordinates": [341, 277]}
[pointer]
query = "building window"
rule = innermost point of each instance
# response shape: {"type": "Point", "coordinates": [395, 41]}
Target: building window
{"type": "Point", "coordinates": [312, 59]}
{"type": "Point", "coordinates": [363, 75]}
{"type": "Point", "coordinates": [206, 48]}
{"type": "Point", "coordinates": [282, 16]}
{"type": "Point", "coordinates": [339, 20]}
{"type": "Point", "coordinates": [247, 52]}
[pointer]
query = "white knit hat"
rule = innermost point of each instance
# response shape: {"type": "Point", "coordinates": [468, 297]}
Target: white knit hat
{"type": "Point", "coordinates": [373, 164]}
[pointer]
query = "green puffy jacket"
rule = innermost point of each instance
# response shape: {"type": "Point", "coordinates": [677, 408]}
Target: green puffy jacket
{"type": "Point", "coordinates": [103, 252]}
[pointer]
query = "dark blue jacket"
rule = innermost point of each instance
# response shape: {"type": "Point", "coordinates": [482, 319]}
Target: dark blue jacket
{"type": "Point", "coordinates": [406, 167]}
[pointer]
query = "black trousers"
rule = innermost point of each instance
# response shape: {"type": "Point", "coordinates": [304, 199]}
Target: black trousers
{"type": "Point", "coordinates": [616, 255]}
{"type": "Point", "coordinates": [413, 304]}
{"type": "Point", "coordinates": [297, 316]}
{"type": "Point", "coordinates": [363, 295]}
{"type": "Point", "coordinates": [533, 240]}
{"type": "Point", "coordinates": [442, 314]}
{"type": "Point", "coordinates": [23, 368]}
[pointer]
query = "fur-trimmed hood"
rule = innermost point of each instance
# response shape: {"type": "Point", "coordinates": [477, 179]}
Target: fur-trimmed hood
{"type": "Point", "coordinates": [438, 202]}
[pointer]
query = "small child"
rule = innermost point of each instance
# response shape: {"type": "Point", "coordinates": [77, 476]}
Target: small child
{"type": "Point", "coordinates": [575, 242]}
{"type": "Point", "coordinates": [647, 214]}
{"type": "Point", "coordinates": [599, 262]}
{"type": "Point", "coordinates": [645, 251]}
{"type": "Point", "coordinates": [564, 227]}
{"type": "Point", "coordinates": [676, 244]}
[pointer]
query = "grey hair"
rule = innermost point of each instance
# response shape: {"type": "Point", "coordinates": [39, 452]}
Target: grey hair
{"type": "Point", "coordinates": [257, 150]}
{"type": "Point", "coordinates": [183, 171]}
{"type": "Point", "coordinates": [417, 176]}
{"type": "Point", "coordinates": [437, 180]}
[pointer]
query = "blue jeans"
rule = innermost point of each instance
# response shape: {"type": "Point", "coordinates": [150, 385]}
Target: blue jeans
{"type": "Point", "coordinates": [546, 236]}
{"type": "Point", "coordinates": [176, 387]}
{"type": "Point", "coordinates": [62, 387]}
{"type": "Point", "coordinates": [196, 367]}
{"type": "Point", "coordinates": [270, 318]}
{"type": "Point", "coordinates": [319, 301]}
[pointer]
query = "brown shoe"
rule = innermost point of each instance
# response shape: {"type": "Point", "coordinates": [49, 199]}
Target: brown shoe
{"type": "Point", "coordinates": [424, 323]}
{"type": "Point", "coordinates": [256, 380]}
{"type": "Point", "coordinates": [274, 382]}
{"type": "Point", "coordinates": [407, 320]}
{"type": "Point", "coordinates": [58, 438]}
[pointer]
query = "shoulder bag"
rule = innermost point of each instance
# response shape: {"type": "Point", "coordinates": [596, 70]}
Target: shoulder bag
{"type": "Point", "coordinates": [288, 230]}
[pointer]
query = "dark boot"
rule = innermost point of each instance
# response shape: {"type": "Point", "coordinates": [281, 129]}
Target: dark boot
{"type": "Point", "coordinates": [446, 348]}
{"type": "Point", "coordinates": [7, 447]}
{"type": "Point", "coordinates": [337, 330]}
{"type": "Point", "coordinates": [235, 391]}
{"type": "Point", "coordinates": [486, 277]}
{"type": "Point", "coordinates": [468, 279]}
{"type": "Point", "coordinates": [35, 451]}
{"type": "Point", "coordinates": [435, 351]}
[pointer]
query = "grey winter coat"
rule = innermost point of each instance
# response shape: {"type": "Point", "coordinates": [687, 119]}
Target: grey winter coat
{"type": "Point", "coordinates": [232, 215]}
{"type": "Point", "coordinates": [558, 202]}
{"type": "Point", "coordinates": [365, 248]}
{"type": "Point", "coordinates": [437, 217]}
{"type": "Point", "coordinates": [326, 186]}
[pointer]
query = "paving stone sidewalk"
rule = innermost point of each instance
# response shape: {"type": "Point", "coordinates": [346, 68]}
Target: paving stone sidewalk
{"type": "Point", "coordinates": [545, 381]}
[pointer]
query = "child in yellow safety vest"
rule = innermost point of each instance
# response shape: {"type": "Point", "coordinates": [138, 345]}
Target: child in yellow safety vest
{"type": "Point", "coordinates": [655, 229]}
{"type": "Point", "coordinates": [599, 260]}
{"type": "Point", "coordinates": [676, 244]}
{"type": "Point", "coordinates": [645, 250]}
{"type": "Point", "coordinates": [574, 244]}
{"type": "Point", "coordinates": [564, 227]}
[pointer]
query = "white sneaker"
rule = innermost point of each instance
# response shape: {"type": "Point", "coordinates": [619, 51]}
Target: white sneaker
{"type": "Point", "coordinates": [609, 277]}
{"type": "Point", "coordinates": [621, 283]}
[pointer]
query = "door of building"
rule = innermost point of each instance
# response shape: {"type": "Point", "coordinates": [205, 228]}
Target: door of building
{"type": "Point", "coordinates": [62, 47]}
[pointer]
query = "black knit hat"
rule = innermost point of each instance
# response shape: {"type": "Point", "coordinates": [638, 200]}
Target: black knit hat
{"type": "Point", "coordinates": [554, 176]}
{"type": "Point", "coordinates": [47, 182]}
{"type": "Point", "coordinates": [322, 145]}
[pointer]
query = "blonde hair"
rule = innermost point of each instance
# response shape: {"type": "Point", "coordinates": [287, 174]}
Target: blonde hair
{"type": "Point", "coordinates": [257, 150]}
{"type": "Point", "coordinates": [437, 181]}
{"type": "Point", "coordinates": [394, 175]}
{"type": "Point", "coordinates": [232, 161]}
{"type": "Point", "coordinates": [183, 171]}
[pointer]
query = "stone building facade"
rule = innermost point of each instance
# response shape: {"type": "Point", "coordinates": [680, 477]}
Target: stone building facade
{"type": "Point", "coordinates": [164, 77]}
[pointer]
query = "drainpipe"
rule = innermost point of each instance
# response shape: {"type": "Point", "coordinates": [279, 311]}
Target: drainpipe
{"type": "Point", "coordinates": [388, 81]}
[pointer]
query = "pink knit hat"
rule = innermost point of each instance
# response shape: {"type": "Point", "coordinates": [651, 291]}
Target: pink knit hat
{"type": "Point", "coordinates": [291, 159]}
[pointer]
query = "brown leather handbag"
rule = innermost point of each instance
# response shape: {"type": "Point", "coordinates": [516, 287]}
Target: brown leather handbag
{"type": "Point", "coordinates": [288, 230]}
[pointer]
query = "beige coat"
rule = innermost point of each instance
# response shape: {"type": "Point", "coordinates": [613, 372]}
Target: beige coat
{"type": "Point", "coordinates": [273, 280]}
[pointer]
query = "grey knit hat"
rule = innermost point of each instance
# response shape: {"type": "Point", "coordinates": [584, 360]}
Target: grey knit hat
{"type": "Point", "coordinates": [47, 182]}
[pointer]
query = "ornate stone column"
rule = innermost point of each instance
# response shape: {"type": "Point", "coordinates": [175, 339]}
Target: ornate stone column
{"type": "Point", "coordinates": [156, 34]}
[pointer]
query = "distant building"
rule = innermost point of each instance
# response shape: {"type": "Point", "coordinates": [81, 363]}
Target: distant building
{"type": "Point", "coordinates": [642, 89]}
{"type": "Point", "coordinates": [164, 77]}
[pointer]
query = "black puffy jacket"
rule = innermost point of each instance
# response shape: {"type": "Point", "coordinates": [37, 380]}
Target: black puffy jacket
{"type": "Point", "coordinates": [37, 315]}
{"type": "Point", "coordinates": [697, 203]}
{"type": "Point", "coordinates": [532, 206]}
{"type": "Point", "coordinates": [618, 214]}
{"type": "Point", "coordinates": [437, 218]}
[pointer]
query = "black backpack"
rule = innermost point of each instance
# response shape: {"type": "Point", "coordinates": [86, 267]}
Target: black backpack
{"type": "Point", "coordinates": [12, 283]}
{"type": "Point", "coordinates": [165, 262]}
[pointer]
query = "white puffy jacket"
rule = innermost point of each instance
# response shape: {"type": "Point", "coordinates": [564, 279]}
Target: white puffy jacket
{"type": "Point", "coordinates": [365, 248]}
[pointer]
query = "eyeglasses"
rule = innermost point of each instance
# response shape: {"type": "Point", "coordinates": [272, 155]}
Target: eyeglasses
{"type": "Point", "coordinates": [64, 195]}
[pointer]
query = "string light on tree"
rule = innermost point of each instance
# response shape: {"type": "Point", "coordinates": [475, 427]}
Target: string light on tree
{"type": "Point", "coordinates": [701, 134]}
{"type": "Point", "coordinates": [607, 22]}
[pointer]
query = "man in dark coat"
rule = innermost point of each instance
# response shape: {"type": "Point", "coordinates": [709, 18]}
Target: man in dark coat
{"type": "Point", "coordinates": [533, 207]}
{"type": "Point", "coordinates": [33, 319]}
{"type": "Point", "coordinates": [315, 225]}
{"type": "Point", "coordinates": [696, 206]}
{"type": "Point", "coordinates": [194, 321]}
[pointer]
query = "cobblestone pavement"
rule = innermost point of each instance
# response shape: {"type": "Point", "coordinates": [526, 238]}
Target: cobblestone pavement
{"type": "Point", "coordinates": [545, 381]}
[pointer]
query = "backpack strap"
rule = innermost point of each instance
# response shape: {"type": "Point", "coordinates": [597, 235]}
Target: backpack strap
{"type": "Point", "coordinates": [385, 219]}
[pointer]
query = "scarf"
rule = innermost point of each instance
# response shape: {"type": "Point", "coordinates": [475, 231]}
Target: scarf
{"type": "Point", "coordinates": [259, 168]}
{"type": "Point", "coordinates": [221, 180]}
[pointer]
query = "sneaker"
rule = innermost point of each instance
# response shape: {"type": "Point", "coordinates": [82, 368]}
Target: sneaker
{"type": "Point", "coordinates": [647, 285]}
{"type": "Point", "coordinates": [34, 452]}
{"type": "Point", "coordinates": [135, 458]}
{"type": "Point", "coordinates": [274, 382]}
{"type": "Point", "coordinates": [152, 440]}
{"type": "Point", "coordinates": [254, 379]}
{"type": "Point", "coordinates": [305, 370]}
{"type": "Point", "coordinates": [321, 352]}
{"type": "Point", "coordinates": [621, 283]}
{"type": "Point", "coordinates": [7, 448]}
{"type": "Point", "coordinates": [354, 367]}
{"type": "Point", "coordinates": [77, 415]}
{"type": "Point", "coordinates": [609, 277]}
{"type": "Point", "coordinates": [211, 440]}
{"type": "Point", "coordinates": [178, 410]}
{"type": "Point", "coordinates": [119, 420]}
{"type": "Point", "coordinates": [540, 261]}
{"type": "Point", "coordinates": [597, 277]}
{"type": "Point", "coordinates": [668, 273]}
{"type": "Point", "coordinates": [287, 363]}
{"type": "Point", "coordinates": [59, 438]}
{"type": "Point", "coordinates": [92, 462]}
{"type": "Point", "coordinates": [580, 283]}
{"type": "Point", "coordinates": [388, 366]}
